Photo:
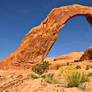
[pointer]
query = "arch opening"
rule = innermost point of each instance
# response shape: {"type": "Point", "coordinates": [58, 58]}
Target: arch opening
{"type": "Point", "coordinates": [75, 36]}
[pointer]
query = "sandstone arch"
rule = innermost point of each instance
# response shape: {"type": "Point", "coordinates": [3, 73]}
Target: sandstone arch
{"type": "Point", "coordinates": [37, 43]}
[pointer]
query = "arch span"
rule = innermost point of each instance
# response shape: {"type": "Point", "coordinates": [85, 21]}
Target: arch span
{"type": "Point", "coordinates": [38, 42]}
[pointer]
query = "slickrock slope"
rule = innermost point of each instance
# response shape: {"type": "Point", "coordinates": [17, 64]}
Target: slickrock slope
{"type": "Point", "coordinates": [62, 60]}
{"type": "Point", "coordinates": [38, 42]}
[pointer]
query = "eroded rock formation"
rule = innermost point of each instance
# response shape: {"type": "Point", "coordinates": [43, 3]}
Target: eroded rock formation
{"type": "Point", "coordinates": [87, 55]}
{"type": "Point", "coordinates": [38, 42]}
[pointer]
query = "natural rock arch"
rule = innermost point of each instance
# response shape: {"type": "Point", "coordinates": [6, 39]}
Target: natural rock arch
{"type": "Point", "coordinates": [37, 43]}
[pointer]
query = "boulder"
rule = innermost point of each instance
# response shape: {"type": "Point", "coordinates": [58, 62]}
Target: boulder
{"type": "Point", "coordinates": [87, 54]}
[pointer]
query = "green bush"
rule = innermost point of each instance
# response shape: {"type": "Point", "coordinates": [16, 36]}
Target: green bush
{"type": "Point", "coordinates": [90, 74]}
{"type": "Point", "coordinates": [50, 78]}
{"type": "Point", "coordinates": [68, 63]}
{"type": "Point", "coordinates": [84, 78]}
{"type": "Point", "coordinates": [33, 76]}
{"type": "Point", "coordinates": [41, 68]}
{"type": "Point", "coordinates": [74, 79]}
{"type": "Point", "coordinates": [57, 67]}
{"type": "Point", "coordinates": [45, 65]}
{"type": "Point", "coordinates": [43, 76]}
{"type": "Point", "coordinates": [78, 67]}
{"type": "Point", "coordinates": [87, 67]}
{"type": "Point", "coordinates": [90, 66]}
{"type": "Point", "coordinates": [82, 86]}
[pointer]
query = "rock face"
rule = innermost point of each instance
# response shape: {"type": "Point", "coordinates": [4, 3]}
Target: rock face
{"type": "Point", "coordinates": [87, 55]}
{"type": "Point", "coordinates": [38, 42]}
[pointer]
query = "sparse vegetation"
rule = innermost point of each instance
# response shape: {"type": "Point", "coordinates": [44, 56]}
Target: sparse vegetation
{"type": "Point", "coordinates": [73, 75]}
{"type": "Point", "coordinates": [90, 74]}
{"type": "Point", "coordinates": [87, 67]}
{"type": "Point", "coordinates": [43, 76]}
{"type": "Point", "coordinates": [34, 76]}
{"type": "Point", "coordinates": [82, 86]}
{"type": "Point", "coordinates": [41, 68]}
{"type": "Point", "coordinates": [78, 67]}
{"type": "Point", "coordinates": [90, 66]}
{"type": "Point", "coordinates": [84, 77]}
{"type": "Point", "coordinates": [57, 67]}
{"type": "Point", "coordinates": [50, 78]}
{"type": "Point", "coordinates": [68, 63]}
{"type": "Point", "coordinates": [74, 79]}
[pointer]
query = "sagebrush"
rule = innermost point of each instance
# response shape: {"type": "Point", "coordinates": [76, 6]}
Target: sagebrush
{"type": "Point", "coordinates": [40, 68]}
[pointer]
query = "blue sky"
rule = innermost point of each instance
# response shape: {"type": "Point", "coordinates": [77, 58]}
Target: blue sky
{"type": "Point", "coordinates": [17, 17]}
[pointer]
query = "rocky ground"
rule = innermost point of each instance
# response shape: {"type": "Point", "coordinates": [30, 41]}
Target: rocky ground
{"type": "Point", "coordinates": [18, 81]}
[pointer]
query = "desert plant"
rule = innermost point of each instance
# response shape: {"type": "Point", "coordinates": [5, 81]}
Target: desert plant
{"type": "Point", "coordinates": [40, 68]}
{"type": "Point", "coordinates": [73, 75]}
{"type": "Point", "coordinates": [68, 68]}
{"type": "Point", "coordinates": [68, 63]}
{"type": "Point", "coordinates": [34, 76]}
{"type": "Point", "coordinates": [90, 74]}
{"type": "Point", "coordinates": [82, 86]}
{"type": "Point", "coordinates": [87, 67]}
{"type": "Point", "coordinates": [74, 79]}
{"type": "Point", "coordinates": [57, 67]}
{"type": "Point", "coordinates": [83, 78]}
{"type": "Point", "coordinates": [50, 78]}
{"type": "Point", "coordinates": [90, 66]}
{"type": "Point", "coordinates": [78, 67]}
{"type": "Point", "coordinates": [45, 65]}
{"type": "Point", "coordinates": [43, 76]}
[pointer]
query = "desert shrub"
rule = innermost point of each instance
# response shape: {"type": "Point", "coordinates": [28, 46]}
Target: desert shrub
{"type": "Point", "coordinates": [90, 74]}
{"type": "Point", "coordinates": [57, 67]}
{"type": "Point", "coordinates": [45, 65]}
{"type": "Point", "coordinates": [74, 79]}
{"type": "Point", "coordinates": [87, 67]}
{"type": "Point", "coordinates": [34, 76]}
{"type": "Point", "coordinates": [78, 67]}
{"type": "Point", "coordinates": [84, 78]}
{"type": "Point", "coordinates": [40, 68]}
{"type": "Point", "coordinates": [73, 76]}
{"type": "Point", "coordinates": [52, 79]}
{"type": "Point", "coordinates": [68, 68]}
{"type": "Point", "coordinates": [90, 66]}
{"type": "Point", "coordinates": [43, 76]}
{"type": "Point", "coordinates": [68, 63]}
{"type": "Point", "coordinates": [82, 86]}
{"type": "Point", "coordinates": [37, 69]}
